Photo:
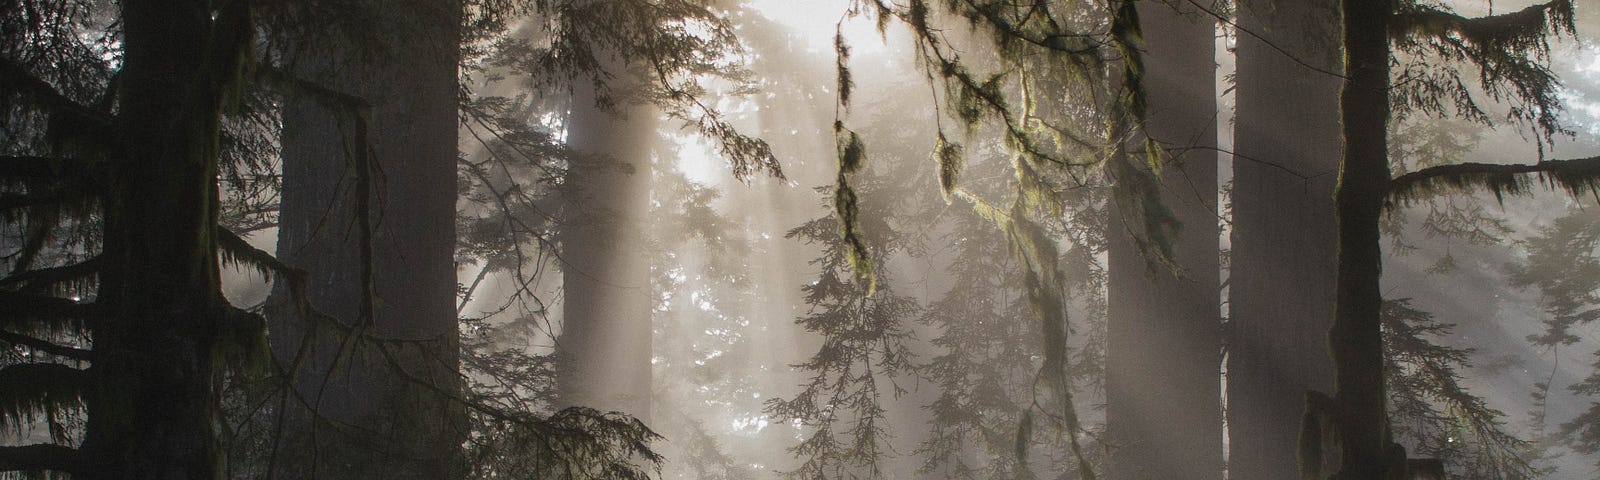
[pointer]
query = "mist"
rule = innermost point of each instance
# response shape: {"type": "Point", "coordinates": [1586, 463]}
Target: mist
{"type": "Point", "coordinates": [767, 239]}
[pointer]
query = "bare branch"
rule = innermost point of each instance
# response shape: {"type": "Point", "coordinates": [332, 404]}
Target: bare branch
{"type": "Point", "coordinates": [287, 83]}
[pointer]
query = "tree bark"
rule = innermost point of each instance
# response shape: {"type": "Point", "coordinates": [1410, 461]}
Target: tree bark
{"type": "Point", "coordinates": [1356, 336]}
{"type": "Point", "coordinates": [1282, 267]}
{"type": "Point", "coordinates": [605, 345]}
{"type": "Point", "coordinates": [1163, 364]}
{"type": "Point", "coordinates": [152, 408]}
{"type": "Point", "coordinates": [378, 395]}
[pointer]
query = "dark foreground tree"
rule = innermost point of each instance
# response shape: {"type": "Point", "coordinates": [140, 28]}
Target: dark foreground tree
{"type": "Point", "coordinates": [160, 334]}
{"type": "Point", "coordinates": [1508, 50]}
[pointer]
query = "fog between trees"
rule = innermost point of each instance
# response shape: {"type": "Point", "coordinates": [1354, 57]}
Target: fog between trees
{"type": "Point", "coordinates": [724, 239]}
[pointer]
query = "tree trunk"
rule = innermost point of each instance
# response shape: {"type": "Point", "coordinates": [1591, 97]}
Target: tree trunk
{"type": "Point", "coordinates": [1281, 273]}
{"type": "Point", "coordinates": [374, 419]}
{"type": "Point", "coordinates": [605, 347]}
{"type": "Point", "coordinates": [152, 408]}
{"type": "Point", "coordinates": [1356, 336]}
{"type": "Point", "coordinates": [1163, 360]}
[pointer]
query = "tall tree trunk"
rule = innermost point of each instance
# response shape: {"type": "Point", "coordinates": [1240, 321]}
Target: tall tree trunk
{"type": "Point", "coordinates": [605, 347]}
{"type": "Point", "coordinates": [375, 414]}
{"type": "Point", "coordinates": [1281, 274]}
{"type": "Point", "coordinates": [1163, 360]}
{"type": "Point", "coordinates": [1356, 336]}
{"type": "Point", "coordinates": [152, 408]}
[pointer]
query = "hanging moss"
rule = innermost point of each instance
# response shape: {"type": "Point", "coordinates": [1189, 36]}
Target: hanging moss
{"type": "Point", "coordinates": [35, 391]}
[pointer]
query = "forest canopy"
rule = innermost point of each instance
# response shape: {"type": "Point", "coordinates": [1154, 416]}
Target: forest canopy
{"type": "Point", "coordinates": [843, 239]}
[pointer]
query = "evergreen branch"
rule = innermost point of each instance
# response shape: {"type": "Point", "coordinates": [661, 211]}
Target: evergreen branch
{"type": "Point", "coordinates": [20, 201]}
{"type": "Point", "coordinates": [20, 308]}
{"type": "Point", "coordinates": [51, 275]}
{"type": "Point", "coordinates": [1576, 176]}
{"type": "Point", "coordinates": [17, 79]}
{"type": "Point", "coordinates": [236, 251]}
{"type": "Point", "coordinates": [30, 167]}
{"type": "Point", "coordinates": [29, 388]}
{"type": "Point", "coordinates": [39, 457]}
{"type": "Point", "coordinates": [287, 83]}
{"type": "Point", "coordinates": [1510, 52]}
{"type": "Point", "coordinates": [1523, 27]}
{"type": "Point", "coordinates": [46, 346]}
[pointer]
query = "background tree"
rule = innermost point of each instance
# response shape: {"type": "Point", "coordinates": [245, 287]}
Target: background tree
{"type": "Point", "coordinates": [374, 236]}
{"type": "Point", "coordinates": [1163, 357]}
{"type": "Point", "coordinates": [1281, 254]}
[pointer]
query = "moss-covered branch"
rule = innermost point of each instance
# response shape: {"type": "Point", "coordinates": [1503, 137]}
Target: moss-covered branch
{"type": "Point", "coordinates": [1576, 176]}
{"type": "Point", "coordinates": [21, 310]}
{"type": "Point", "coordinates": [238, 252]}
{"type": "Point", "coordinates": [46, 346]}
{"type": "Point", "coordinates": [26, 389]}
{"type": "Point", "coordinates": [1508, 50]}
{"type": "Point", "coordinates": [288, 84]}
{"type": "Point", "coordinates": [26, 200]}
{"type": "Point", "coordinates": [38, 457]}
{"type": "Point", "coordinates": [1525, 27]}
{"type": "Point", "coordinates": [28, 167]}
{"type": "Point", "coordinates": [16, 79]}
{"type": "Point", "coordinates": [33, 280]}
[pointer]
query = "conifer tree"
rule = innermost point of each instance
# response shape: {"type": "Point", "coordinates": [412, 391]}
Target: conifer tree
{"type": "Point", "coordinates": [1508, 49]}
{"type": "Point", "coordinates": [375, 237]}
{"type": "Point", "coordinates": [1280, 275]}
{"type": "Point", "coordinates": [145, 345]}
{"type": "Point", "coordinates": [1163, 357]}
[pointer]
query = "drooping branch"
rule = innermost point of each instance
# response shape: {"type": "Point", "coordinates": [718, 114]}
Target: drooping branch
{"type": "Point", "coordinates": [1510, 52]}
{"type": "Point", "coordinates": [26, 389]}
{"type": "Point", "coordinates": [1576, 176]}
{"type": "Point", "coordinates": [17, 79]}
{"type": "Point", "coordinates": [46, 346]}
{"type": "Point", "coordinates": [21, 310]}
{"type": "Point", "coordinates": [289, 84]}
{"type": "Point", "coordinates": [235, 251]}
{"type": "Point", "coordinates": [32, 280]}
{"type": "Point", "coordinates": [39, 457]}
{"type": "Point", "coordinates": [15, 167]}
{"type": "Point", "coordinates": [25, 200]}
{"type": "Point", "coordinates": [1524, 28]}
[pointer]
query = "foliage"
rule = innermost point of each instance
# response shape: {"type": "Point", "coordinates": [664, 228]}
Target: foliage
{"type": "Point", "coordinates": [1434, 413]}
{"type": "Point", "coordinates": [863, 352]}
{"type": "Point", "coordinates": [987, 366]}
{"type": "Point", "coordinates": [1562, 264]}
{"type": "Point", "coordinates": [707, 324]}
{"type": "Point", "coordinates": [60, 60]}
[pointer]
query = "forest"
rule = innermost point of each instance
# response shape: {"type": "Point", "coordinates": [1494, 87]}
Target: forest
{"type": "Point", "coordinates": [800, 239]}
